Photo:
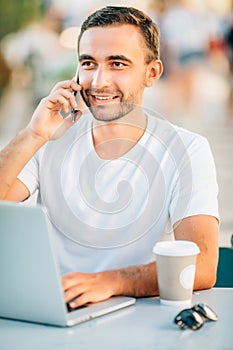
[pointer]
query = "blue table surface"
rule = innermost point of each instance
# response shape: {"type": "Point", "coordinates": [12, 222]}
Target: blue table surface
{"type": "Point", "coordinates": [145, 325]}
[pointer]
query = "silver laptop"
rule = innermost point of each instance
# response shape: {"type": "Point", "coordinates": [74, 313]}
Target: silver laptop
{"type": "Point", "coordinates": [30, 281]}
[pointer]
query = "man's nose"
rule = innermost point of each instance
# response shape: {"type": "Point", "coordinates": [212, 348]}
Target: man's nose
{"type": "Point", "coordinates": [101, 78]}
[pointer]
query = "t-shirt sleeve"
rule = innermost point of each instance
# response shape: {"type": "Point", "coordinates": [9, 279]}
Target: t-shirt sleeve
{"type": "Point", "coordinates": [196, 190]}
{"type": "Point", "coordinates": [30, 175]}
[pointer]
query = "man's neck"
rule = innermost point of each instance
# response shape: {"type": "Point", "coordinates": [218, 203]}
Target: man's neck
{"type": "Point", "coordinates": [113, 139]}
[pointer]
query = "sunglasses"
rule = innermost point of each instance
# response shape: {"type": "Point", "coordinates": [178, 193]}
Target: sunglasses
{"type": "Point", "coordinates": [195, 317]}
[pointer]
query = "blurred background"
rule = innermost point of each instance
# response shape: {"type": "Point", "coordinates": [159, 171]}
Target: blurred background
{"type": "Point", "coordinates": [38, 48]}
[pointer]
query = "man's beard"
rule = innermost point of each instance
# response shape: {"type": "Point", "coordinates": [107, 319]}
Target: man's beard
{"type": "Point", "coordinates": [111, 111]}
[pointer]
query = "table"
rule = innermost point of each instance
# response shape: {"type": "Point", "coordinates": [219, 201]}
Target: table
{"type": "Point", "coordinates": [145, 325]}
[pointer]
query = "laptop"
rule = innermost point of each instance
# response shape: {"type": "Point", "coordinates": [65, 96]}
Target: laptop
{"type": "Point", "coordinates": [30, 281]}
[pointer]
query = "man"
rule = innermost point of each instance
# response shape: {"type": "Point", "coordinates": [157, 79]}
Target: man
{"type": "Point", "coordinates": [111, 182]}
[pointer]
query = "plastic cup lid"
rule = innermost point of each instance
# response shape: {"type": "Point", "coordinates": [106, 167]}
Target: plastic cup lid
{"type": "Point", "coordinates": [176, 248]}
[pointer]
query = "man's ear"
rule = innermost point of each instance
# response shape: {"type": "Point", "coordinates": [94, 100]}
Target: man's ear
{"type": "Point", "coordinates": [153, 73]}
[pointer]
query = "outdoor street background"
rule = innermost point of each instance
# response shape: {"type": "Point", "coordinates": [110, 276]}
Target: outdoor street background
{"type": "Point", "coordinates": [195, 91]}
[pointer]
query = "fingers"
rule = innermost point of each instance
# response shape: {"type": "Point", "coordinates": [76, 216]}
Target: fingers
{"type": "Point", "coordinates": [82, 288]}
{"type": "Point", "coordinates": [79, 296]}
{"type": "Point", "coordinates": [61, 99]}
{"type": "Point", "coordinates": [58, 102]}
{"type": "Point", "coordinates": [75, 290]}
{"type": "Point", "coordinates": [62, 96]}
{"type": "Point", "coordinates": [85, 298]}
{"type": "Point", "coordinates": [47, 120]}
{"type": "Point", "coordinates": [70, 85]}
{"type": "Point", "coordinates": [69, 280]}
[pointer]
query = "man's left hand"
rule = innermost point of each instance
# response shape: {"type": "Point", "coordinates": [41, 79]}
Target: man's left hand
{"type": "Point", "coordinates": [82, 288]}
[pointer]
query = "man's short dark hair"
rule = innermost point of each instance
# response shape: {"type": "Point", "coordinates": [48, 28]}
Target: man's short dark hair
{"type": "Point", "coordinates": [116, 15]}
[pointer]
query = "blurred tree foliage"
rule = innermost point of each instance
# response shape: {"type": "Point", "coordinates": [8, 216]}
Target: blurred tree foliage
{"type": "Point", "coordinates": [15, 14]}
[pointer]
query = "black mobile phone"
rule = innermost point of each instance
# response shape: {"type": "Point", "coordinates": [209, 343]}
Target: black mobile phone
{"type": "Point", "coordinates": [76, 94]}
{"type": "Point", "coordinates": [72, 111]}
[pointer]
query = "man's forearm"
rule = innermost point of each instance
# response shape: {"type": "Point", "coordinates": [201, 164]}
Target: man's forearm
{"type": "Point", "coordinates": [15, 156]}
{"type": "Point", "coordinates": [137, 281]}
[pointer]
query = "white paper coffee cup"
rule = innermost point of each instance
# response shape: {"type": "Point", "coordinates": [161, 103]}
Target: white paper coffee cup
{"type": "Point", "coordinates": [176, 267]}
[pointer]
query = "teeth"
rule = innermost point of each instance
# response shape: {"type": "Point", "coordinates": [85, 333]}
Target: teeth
{"type": "Point", "coordinates": [103, 98]}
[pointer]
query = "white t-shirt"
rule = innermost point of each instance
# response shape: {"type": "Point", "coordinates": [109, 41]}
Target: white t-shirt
{"type": "Point", "coordinates": [108, 214]}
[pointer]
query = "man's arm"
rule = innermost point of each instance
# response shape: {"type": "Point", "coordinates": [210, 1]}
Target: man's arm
{"type": "Point", "coordinates": [12, 160]}
{"type": "Point", "coordinates": [46, 124]}
{"type": "Point", "coordinates": [141, 281]}
{"type": "Point", "coordinates": [136, 281]}
{"type": "Point", "coordinates": [203, 230]}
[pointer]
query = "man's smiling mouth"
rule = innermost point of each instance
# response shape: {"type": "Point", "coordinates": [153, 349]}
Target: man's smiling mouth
{"type": "Point", "coordinates": [102, 99]}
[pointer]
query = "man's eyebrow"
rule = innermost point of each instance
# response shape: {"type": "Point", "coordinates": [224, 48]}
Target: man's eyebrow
{"type": "Point", "coordinates": [108, 58]}
{"type": "Point", "coordinates": [86, 57]}
{"type": "Point", "coordinates": [118, 58]}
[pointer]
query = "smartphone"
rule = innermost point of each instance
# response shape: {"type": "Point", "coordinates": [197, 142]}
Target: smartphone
{"type": "Point", "coordinates": [77, 94]}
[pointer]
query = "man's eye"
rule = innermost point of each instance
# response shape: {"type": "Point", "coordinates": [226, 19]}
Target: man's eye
{"type": "Point", "coordinates": [87, 64]}
{"type": "Point", "coordinates": [118, 64]}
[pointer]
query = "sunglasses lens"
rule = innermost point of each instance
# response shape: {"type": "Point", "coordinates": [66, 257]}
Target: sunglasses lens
{"type": "Point", "coordinates": [189, 319]}
{"type": "Point", "coordinates": [206, 311]}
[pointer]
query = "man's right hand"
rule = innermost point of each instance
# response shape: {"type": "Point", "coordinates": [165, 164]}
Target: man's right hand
{"type": "Point", "coordinates": [47, 122]}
